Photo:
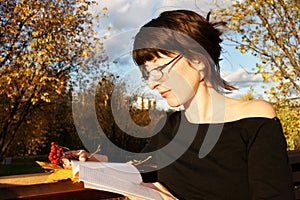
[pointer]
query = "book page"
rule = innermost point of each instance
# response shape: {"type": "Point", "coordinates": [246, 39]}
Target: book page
{"type": "Point", "coordinates": [122, 171]}
{"type": "Point", "coordinates": [128, 189]}
{"type": "Point", "coordinates": [120, 178]}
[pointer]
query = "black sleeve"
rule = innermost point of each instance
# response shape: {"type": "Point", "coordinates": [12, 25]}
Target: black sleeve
{"type": "Point", "coordinates": [270, 175]}
{"type": "Point", "coordinates": [165, 129]}
{"type": "Point", "coordinates": [150, 177]}
{"type": "Point", "coordinates": [152, 145]}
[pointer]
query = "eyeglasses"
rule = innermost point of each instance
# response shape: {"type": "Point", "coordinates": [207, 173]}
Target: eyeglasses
{"type": "Point", "coordinates": [156, 73]}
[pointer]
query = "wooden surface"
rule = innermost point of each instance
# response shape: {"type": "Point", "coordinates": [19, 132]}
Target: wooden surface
{"type": "Point", "coordinates": [33, 187]}
{"type": "Point", "coordinates": [25, 179]}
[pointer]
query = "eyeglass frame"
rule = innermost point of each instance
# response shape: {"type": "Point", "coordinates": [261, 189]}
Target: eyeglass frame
{"type": "Point", "coordinates": [146, 74]}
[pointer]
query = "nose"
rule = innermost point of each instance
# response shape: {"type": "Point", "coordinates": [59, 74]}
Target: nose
{"type": "Point", "coordinates": [153, 84]}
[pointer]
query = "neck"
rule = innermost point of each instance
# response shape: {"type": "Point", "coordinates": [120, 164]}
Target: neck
{"type": "Point", "coordinates": [207, 106]}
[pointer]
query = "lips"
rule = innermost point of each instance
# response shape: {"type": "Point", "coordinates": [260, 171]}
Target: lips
{"type": "Point", "coordinates": [164, 93]}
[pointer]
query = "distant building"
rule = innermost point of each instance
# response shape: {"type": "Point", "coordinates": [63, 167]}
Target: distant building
{"type": "Point", "coordinates": [145, 103]}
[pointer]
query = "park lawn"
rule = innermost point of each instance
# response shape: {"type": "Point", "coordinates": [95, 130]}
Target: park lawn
{"type": "Point", "coordinates": [23, 165]}
{"type": "Point", "coordinates": [23, 168]}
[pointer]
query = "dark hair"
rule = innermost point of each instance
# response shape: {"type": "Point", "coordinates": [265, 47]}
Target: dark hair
{"type": "Point", "coordinates": [183, 32]}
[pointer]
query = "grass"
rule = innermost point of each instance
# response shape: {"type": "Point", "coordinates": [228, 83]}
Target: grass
{"type": "Point", "coordinates": [14, 169]}
{"type": "Point", "coordinates": [23, 165]}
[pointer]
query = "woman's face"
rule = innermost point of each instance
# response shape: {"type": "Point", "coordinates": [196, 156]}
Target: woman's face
{"type": "Point", "coordinates": [180, 80]}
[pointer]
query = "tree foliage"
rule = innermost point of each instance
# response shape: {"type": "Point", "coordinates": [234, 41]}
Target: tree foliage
{"type": "Point", "coordinates": [269, 29]}
{"type": "Point", "coordinates": [41, 43]}
{"type": "Point", "coordinates": [289, 117]}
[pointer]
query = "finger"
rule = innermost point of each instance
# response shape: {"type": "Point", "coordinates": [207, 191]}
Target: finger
{"type": "Point", "coordinates": [71, 154]}
{"type": "Point", "coordinates": [66, 163]}
{"type": "Point", "coordinates": [164, 192]}
{"type": "Point", "coordinates": [82, 155]}
{"type": "Point", "coordinates": [150, 185]}
{"type": "Point", "coordinates": [98, 157]}
{"type": "Point", "coordinates": [133, 198]}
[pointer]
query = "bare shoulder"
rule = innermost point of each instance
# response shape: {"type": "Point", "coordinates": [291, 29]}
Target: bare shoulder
{"type": "Point", "coordinates": [259, 108]}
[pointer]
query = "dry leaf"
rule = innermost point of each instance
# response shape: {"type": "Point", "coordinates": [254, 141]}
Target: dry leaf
{"type": "Point", "coordinates": [59, 174]}
{"type": "Point", "coordinates": [46, 165]}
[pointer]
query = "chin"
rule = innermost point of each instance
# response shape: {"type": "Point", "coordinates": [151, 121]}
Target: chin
{"type": "Point", "coordinates": [173, 103]}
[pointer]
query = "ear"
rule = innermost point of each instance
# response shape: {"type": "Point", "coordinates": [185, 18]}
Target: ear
{"type": "Point", "coordinates": [200, 67]}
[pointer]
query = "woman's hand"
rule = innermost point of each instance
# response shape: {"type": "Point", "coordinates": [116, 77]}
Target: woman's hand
{"type": "Point", "coordinates": [82, 156]}
{"type": "Point", "coordinates": [166, 195]}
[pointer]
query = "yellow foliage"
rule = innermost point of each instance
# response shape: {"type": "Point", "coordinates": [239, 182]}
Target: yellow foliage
{"type": "Point", "coordinates": [264, 29]}
{"type": "Point", "coordinates": [41, 44]}
{"type": "Point", "coordinates": [289, 117]}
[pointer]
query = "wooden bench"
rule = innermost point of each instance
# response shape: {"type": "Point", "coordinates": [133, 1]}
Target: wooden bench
{"type": "Point", "coordinates": [294, 157]}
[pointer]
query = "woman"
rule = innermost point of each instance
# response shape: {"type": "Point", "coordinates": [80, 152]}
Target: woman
{"type": "Point", "coordinates": [178, 54]}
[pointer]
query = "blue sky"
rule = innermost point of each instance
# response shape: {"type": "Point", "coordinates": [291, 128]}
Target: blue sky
{"type": "Point", "coordinates": [126, 16]}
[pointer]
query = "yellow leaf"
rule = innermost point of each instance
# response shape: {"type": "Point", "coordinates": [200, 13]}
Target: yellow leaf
{"type": "Point", "coordinates": [59, 174]}
{"type": "Point", "coordinates": [85, 53]}
{"type": "Point", "coordinates": [265, 76]}
{"type": "Point", "coordinates": [277, 58]}
{"type": "Point", "coordinates": [35, 33]}
{"type": "Point", "coordinates": [46, 165]}
{"type": "Point", "coordinates": [226, 10]}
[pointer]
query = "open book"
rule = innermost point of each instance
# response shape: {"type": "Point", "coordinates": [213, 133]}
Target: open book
{"type": "Point", "coordinates": [119, 178]}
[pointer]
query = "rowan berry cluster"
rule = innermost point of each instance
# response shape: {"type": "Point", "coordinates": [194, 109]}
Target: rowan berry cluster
{"type": "Point", "coordinates": [55, 153]}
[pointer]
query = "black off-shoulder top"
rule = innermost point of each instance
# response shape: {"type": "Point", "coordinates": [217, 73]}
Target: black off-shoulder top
{"type": "Point", "coordinates": [247, 161]}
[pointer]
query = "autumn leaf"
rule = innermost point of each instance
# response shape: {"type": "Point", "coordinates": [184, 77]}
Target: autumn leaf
{"type": "Point", "coordinates": [59, 174]}
{"type": "Point", "coordinates": [46, 165]}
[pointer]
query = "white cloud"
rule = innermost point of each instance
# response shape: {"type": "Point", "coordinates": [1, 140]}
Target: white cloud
{"type": "Point", "coordinates": [126, 16]}
{"type": "Point", "coordinates": [242, 78]}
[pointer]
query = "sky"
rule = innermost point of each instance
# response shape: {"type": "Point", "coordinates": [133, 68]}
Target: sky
{"type": "Point", "coordinates": [124, 17]}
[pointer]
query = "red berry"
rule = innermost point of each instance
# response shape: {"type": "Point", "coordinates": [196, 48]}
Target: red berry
{"type": "Point", "coordinates": [52, 143]}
